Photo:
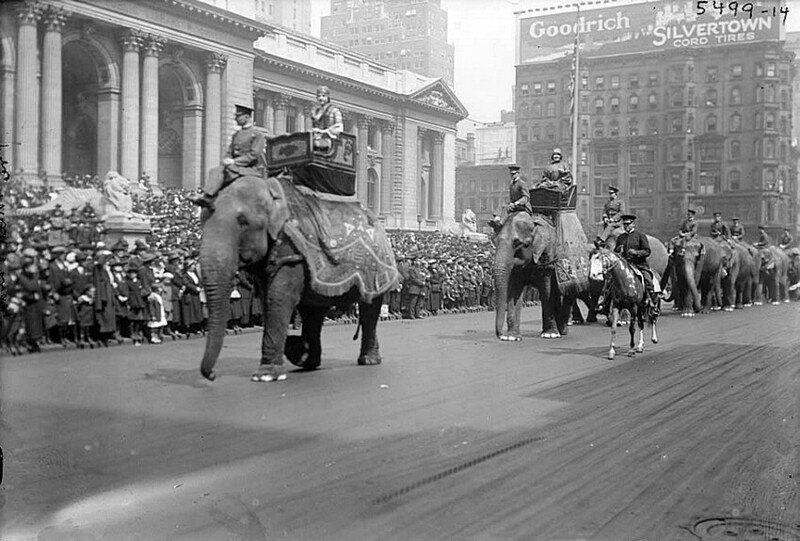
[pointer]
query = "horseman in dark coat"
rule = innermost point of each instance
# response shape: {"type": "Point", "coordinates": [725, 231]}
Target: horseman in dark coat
{"type": "Point", "coordinates": [244, 158]}
{"type": "Point", "coordinates": [635, 248]}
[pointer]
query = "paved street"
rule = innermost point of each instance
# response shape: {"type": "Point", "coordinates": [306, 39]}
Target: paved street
{"type": "Point", "coordinates": [455, 436]}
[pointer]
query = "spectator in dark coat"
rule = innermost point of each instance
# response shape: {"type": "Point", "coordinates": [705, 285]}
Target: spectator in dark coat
{"type": "Point", "coordinates": [136, 304]}
{"type": "Point", "coordinates": [191, 308]}
{"type": "Point", "coordinates": [31, 290]}
{"type": "Point", "coordinates": [61, 288]}
{"type": "Point", "coordinates": [105, 298]}
{"type": "Point", "coordinates": [85, 306]}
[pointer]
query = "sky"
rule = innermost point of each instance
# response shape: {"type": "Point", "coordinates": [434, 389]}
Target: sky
{"type": "Point", "coordinates": [483, 35]}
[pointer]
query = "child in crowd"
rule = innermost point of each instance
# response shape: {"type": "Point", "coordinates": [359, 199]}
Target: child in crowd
{"type": "Point", "coordinates": [158, 315]}
{"type": "Point", "coordinates": [85, 308]}
{"type": "Point", "coordinates": [136, 306]}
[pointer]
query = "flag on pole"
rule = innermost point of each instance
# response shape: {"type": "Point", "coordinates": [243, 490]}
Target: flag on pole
{"type": "Point", "coordinates": [573, 87]}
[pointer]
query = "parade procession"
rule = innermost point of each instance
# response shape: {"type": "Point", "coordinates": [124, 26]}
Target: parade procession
{"type": "Point", "coordinates": [273, 269]}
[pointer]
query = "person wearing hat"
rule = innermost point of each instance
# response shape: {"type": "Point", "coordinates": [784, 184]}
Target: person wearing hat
{"type": "Point", "coordinates": [786, 239]}
{"type": "Point", "coordinates": [245, 154]}
{"type": "Point", "coordinates": [105, 304]}
{"type": "Point", "coordinates": [557, 174]}
{"type": "Point", "coordinates": [31, 290]}
{"type": "Point", "coordinates": [136, 302]}
{"type": "Point", "coordinates": [737, 229]}
{"type": "Point", "coordinates": [326, 120]}
{"type": "Point", "coordinates": [764, 239]}
{"type": "Point", "coordinates": [688, 228]}
{"type": "Point", "coordinates": [719, 229]}
{"type": "Point", "coordinates": [613, 209]}
{"type": "Point", "coordinates": [518, 192]}
{"type": "Point", "coordinates": [61, 286]}
{"type": "Point", "coordinates": [635, 248]}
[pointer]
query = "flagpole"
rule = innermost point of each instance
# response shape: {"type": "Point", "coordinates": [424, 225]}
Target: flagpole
{"type": "Point", "coordinates": [576, 100]}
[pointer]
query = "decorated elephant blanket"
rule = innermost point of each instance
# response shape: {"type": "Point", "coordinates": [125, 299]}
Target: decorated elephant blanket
{"type": "Point", "coordinates": [572, 254]}
{"type": "Point", "coordinates": [342, 244]}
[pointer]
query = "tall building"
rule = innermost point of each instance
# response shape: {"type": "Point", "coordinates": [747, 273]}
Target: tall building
{"type": "Point", "coordinates": [676, 108]}
{"type": "Point", "coordinates": [294, 14]}
{"type": "Point", "coordinates": [404, 34]}
{"type": "Point", "coordinates": [793, 44]}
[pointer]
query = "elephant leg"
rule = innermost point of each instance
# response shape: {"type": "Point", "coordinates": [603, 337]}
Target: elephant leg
{"type": "Point", "coordinates": [551, 306]}
{"type": "Point", "coordinates": [305, 351]}
{"type": "Point", "coordinates": [281, 295]}
{"type": "Point", "coordinates": [565, 305]}
{"type": "Point", "coordinates": [369, 314]}
{"type": "Point", "coordinates": [514, 311]}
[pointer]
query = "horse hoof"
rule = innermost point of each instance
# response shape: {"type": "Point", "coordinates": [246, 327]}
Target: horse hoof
{"type": "Point", "coordinates": [758, 303]}
{"type": "Point", "coordinates": [632, 353]}
{"type": "Point", "coordinates": [639, 350]}
{"type": "Point", "coordinates": [654, 340]}
{"type": "Point", "coordinates": [748, 305]}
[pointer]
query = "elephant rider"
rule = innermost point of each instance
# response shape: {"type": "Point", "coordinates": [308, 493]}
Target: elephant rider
{"type": "Point", "coordinates": [326, 120]}
{"type": "Point", "coordinates": [764, 240]}
{"type": "Point", "coordinates": [557, 174]}
{"type": "Point", "coordinates": [244, 157]}
{"type": "Point", "coordinates": [786, 239]}
{"type": "Point", "coordinates": [495, 223]}
{"type": "Point", "coordinates": [688, 229]}
{"type": "Point", "coordinates": [613, 209]}
{"type": "Point", "coordinates": [635, 248]}
{"type": "Point", "coordinates": [518, 192]}
{"type": "Point", "coordinates": [737, 230]}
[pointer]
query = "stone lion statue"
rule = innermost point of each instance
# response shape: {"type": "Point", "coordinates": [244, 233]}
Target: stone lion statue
{"type": "Point", "coordinates": [117, 191]}
{"type": "Point", "coordinates": [469, 221]}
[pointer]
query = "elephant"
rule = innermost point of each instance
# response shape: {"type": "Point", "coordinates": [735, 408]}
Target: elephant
{"type": "Point", "coordinates": [746, 282]}
{"type": "Point", "coordinates": [525, 254]}
{"type": "Point", "coordinates": [794, 272]}
{"type": "Point", "coordinates": [248, 229]}
{"type": "Point", "coordinates": [731, 267]}
{"type": "Point", "coordinates": [775, 274]}
{"type": "Point", "coordinates": [698, 266]}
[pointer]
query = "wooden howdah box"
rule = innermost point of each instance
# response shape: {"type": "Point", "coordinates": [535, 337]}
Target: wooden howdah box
{"type": "Point", "coordinates": [549, 200]}
{"type": "Point", "coordinates": [297, 149]}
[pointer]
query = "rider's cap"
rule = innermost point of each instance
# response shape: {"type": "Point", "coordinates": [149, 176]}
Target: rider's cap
{"type": "Point", "coordinates": [691, 211]}
{"type": "Point", "coordinates": [244, 110]}
{"type": "Point", "coordinates": [513, 167]}
{"type": "Point", "coordinates": [762, 227]}
{"type": "Point", "coordinates": [735, 218]}
{"type": "Point", "coordinates": [628, 217]}
{"type": "Point", "coordinates": [613, 189]}
{"type": "Point", "coordinates": [717, 214]}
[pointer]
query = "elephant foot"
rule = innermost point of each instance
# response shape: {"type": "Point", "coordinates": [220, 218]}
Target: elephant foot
{"type": "Point", "coordinates": [758, 303]}
{"type": "Point", "coordinates": [591, 319]}
{"type": "Point", "coordinates": [369, 359]}
{"type": "Point", "coordinates": [509, 338]}
{"type": "Point", "coordinates": [728, 308]}
{"type": "Point", "coordinates": [775, 303]}
{"type": "Point", "coordinates": [563, 330]}
{"type": "Point", "coordinates": [550, 334]}
{"type": "Point", "coordinates": [298, 352]}
{"type": "Point", "coordinates": [688, 314]}
{"type": "Point", "coordinates": [269, 372]}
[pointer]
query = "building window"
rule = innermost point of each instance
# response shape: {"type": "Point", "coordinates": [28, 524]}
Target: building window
{"type": "Point", "coordinates": [759, 93]}
{"type": "Point", "coordinates": [734, 180]}
{"type": "Point", "coordinates": [537, 110]}
{"type": "Point", "coordinates": [536, 133]}
{"type": "Point", "coordinates": [584, 128]}
{"type": "Point", "coordinates": [736, 150]}
{"type": "Point", "coordinates": [642, 181]}
{"type": "Point", "coordinates": [598, 106]}
{"type": "Point", "coordinates": [291, 119]}
{"type": "Point", "coordinates": [771, 69]}
{"type": "Point", "coordinates": [599, 82]}
{"type": "Point", "coordinates": [614, 82]}
{"type": "Point", "coordinates": [784, 76]}
{"type": "Point", "coordinates": [524, 110]}
{"type": "Point", "coordinates": [550, 109]}
{"type": "Point", "coordinates": [675, 181]}
{"type": "Point", "coordinates": [709, 182]}
{"type": "Point", "coordinates": [652, 100]}
{"type": "Point", "coordinates": [633, 81]}
{"type": "Point", "coordinates": [770, 95]}
{"type": "Point", "coordinates": [759, 67]}
{"type": "Point", "coordinates": [677, 124]}
{"type": "Point", "coordinates": [769, 121]}
{"type": "Point", "coordinates": [599, 129]}
{"type": "Point", "coordinates": [759, 121]}
{"type": "Point", "coordinates": [677, 98]}
{"type": "Point", "coordinates": [585, 105]}
{"type": "Point", "coordinates": [584, 81]}
{"type": "Point", "coordinates": [633, 128]}
{"type": "Point", "coordinates": [711, 123]}
{"type": "Point", "coordinates": [633, 103]}
{"type": "Point", "coordinates": [676, 152]}
{"type": "Point", "coordinates": [606, 157]}
{"type": "Point", "coordinates": [551, 87]}
{"type": "Point", "coordinates": [712, 74]}
{"type": "Point", "coordinates": [711, 97]}
{"type": "Point", "coordinates": [372, 189]}
{"type": "Point", "coordinates": [736, 122]}
{"type": "Point", "coordinates": [784, 125]}
{"type": "Point", "coordinates": [614, 103]}
{"type": "Point", "coordinates": [676, 74]}
{"type": "Point", "coordinates": [614, 128]}
{"type": "Point", "coordinates": [652, 79]}
{"type": "Point", "coordinates": [643, 154]}
{"type": "Point", "coordinates": [736, 71]}
{"type": "Point", "coordinates": [769, 149]}
{"type": "Point", "coordinates": [523, 134]}
{"type": "Point", "coordinates": [652, 126]}
{"type": "Point", "coordinates": [784, 99]}
{"type": "Point", "coordinates": [537, 89]}
{"type": "Point", "coordinates": [550, 132]}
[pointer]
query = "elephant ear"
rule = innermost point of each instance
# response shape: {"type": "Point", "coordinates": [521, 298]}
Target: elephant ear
{"type": "Point", "coordinates": [277, 208]}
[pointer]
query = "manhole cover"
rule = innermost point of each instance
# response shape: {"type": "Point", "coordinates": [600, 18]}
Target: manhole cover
{"type": "Point", "coordinates": [744, 529]}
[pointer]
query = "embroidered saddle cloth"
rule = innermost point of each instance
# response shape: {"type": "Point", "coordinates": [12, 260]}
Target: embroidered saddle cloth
{"type": "Point", "coordinates": [572, 254]}
{"type": "Point", "coordinates": [342, 244]}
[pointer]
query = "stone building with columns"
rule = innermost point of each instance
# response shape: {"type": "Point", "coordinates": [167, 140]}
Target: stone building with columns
{"type": "Point", "coordinates": [148, 88]}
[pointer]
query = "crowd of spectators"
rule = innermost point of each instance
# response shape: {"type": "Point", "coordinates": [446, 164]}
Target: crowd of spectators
{"type": "Point", "coordinates": [65, 284]}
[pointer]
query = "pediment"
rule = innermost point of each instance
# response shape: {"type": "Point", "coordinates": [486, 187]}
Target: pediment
{"type": "Point", "coordinates": [438, 94]}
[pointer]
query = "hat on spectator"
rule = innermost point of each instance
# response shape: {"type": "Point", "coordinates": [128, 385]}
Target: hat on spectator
{"type": "Point", "coordinates": [147, 257]}
{"type": "Point", "coordinates": [70, 257]}
{"type": "Point", "coordinates": [58, 250]}
{"type": "Point", "coordinates": [556, 151]}
{"type": "Point", "coordinates": [613, 189]}
{"type": "Point", "coordinates": [628, 218]}
{"type": "Point", "coordinates": [29, 252]}
{"type": "Point", "coordinates": [80, 256]}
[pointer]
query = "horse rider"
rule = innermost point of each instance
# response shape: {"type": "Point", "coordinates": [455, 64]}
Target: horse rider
{"type": "Point", "coordinates": [786, 239]}
{"type": "Point", "coordinates": [737, 230]}
{"type": "Point", "coordinates": [326, 120]}
{"type": "Point", "coordinates": [764, 239]}
{"type": "Point", "coordinates": [518, 192]}
{"type": "Point", "coordinates": [557, 174]}
{"type": "Point", "coordinates": [635, 248]}
{"type": "Point", "coordinates": [244, 158]}
{"type": "Point", "coordinates": [613, 209]}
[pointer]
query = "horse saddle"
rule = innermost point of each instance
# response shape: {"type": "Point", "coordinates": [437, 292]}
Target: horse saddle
{"type": "Point", "coordinates": [655, 278]}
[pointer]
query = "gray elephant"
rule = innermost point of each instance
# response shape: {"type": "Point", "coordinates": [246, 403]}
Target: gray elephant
{"type": "Point", "coordinates": [526, 253]}
{"type": "Point", "coordinates": [697, 268]}
{"type": "Point", "coordinates": [794, 272]}
{"type": "Point", "coordinates": [747, 279]}
{"type": "Point", "coordinates": [775, 274]}
{"type": "Point", "coordinates": [263, 225]}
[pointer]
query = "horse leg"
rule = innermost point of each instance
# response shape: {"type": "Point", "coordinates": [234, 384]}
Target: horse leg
{"type": "Point", "coordinates": [613, 313]}
{"type": "Point", "coordinates": [640, 343]}
{"type": "Point", "coordinates": [632, 331]}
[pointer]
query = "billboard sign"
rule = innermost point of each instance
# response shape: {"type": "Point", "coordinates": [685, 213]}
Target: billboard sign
{"type": "Point", "coordinates": [639, 28]}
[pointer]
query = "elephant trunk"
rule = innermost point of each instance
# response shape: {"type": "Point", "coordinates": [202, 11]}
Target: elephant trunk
{"type": "Point", "coordinates": [218, 263]}
{"type": "Point", "coordinates": [500, 297]}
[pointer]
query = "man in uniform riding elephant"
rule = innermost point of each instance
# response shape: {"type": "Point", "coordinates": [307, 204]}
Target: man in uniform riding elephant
{"type": "Point", "coordinates": [613, 210]}
{"type": "Point", "coordinates": [518, 192]}
{"type": "Point", "coordinates": [244, 158]}
{"type": "Point", "coordinates": [737, 229]}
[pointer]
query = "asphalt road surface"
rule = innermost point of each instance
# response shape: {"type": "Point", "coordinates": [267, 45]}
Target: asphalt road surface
{"type": "Point", "coordinates": [457, 436]}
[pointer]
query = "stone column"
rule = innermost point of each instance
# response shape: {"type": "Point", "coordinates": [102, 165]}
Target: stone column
{"type": "Point", "coordinates": [26, 89]}
{"type": "Point", "coordinates": [129, 133]}
{"type": "Point", "coordinates": [308, 111]}
{"type": "Point", "coordinates": [387, 153]}
{"type": "Point", "coordinates": [51, 96]}
{"type": "Point", "coordinates": [153, 45]}
{"type": "Point", "coordinates": [280, 102]}
{"type": "Point", "coordinates": [423, 171]}
{"type": "Point", "coordinates": [269, 115]}
{"type": "Point", "coordinates": [437, 176]}
{"type": "Point", "coordinates": [192, 166]}
{"type": "Point", "coordinates": [300, 121]}
{"type": "Point", "coordinates": [361, 163]}
{"type": "Point", "coordinates": [215, 63]}
{"type": "Point", "coordinates": [108, 126]}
